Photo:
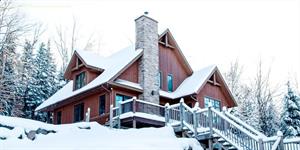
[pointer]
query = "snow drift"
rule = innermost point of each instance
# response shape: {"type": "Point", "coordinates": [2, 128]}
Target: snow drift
{"type": "Point", "coordinates": [14, 133]}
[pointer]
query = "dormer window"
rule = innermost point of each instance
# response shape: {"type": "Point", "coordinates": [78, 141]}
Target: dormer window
{"type": "Point", "coordinates": [80, 80]}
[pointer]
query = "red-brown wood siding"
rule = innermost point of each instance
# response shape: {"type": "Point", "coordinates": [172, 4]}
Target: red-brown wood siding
{"type": "Point", "coordinates": [214, 92]}
{"type": "Point", "coordinates": [91, 102]}
{"type": "Point", "coordinates": [169, 63]}
{"type": "Point", "coordinates": [131, 73]}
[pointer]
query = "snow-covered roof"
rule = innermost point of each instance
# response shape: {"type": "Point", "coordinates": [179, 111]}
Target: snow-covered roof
{"type": "Point", "coordinates": [129, 84]}
{"type": "Point", "coordinates": [92, 59]}
{"type": "Point", "coordinates": [112, 65]}
{"type": "Point", "coordinates": [191, 84]}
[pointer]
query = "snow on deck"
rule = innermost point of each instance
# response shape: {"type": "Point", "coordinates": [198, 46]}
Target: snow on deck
{"type": "Point", "coordinates": [191, 84]}
{"type": "Point", "coordinates": [87, 136]}
{"type": "Point", "coordinates": [142, 115]}
{"type": "Point", "coordinates": [114, 64]}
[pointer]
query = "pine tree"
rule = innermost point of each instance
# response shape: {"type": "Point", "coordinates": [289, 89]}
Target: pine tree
{"type": "Point", "coordinates": [45, 83]}
{"type": "Point", "coordinates": [270, 120]}
{"type": "Point", "coordinates": [27, 80]}
{"type": "Point", "coordinates": [9, 98]}
{"type": "Point", "coordinates": [290, 119]}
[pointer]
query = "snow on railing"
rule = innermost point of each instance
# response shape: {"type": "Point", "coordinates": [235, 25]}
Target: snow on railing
{"type": "Point", "coordinates": [227, 126]}
{"type": "Point", "coordinates": [243, 124]}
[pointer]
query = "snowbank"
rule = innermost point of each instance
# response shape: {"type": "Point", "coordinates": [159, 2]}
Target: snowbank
{"type": "Point", "coordinates": [87, 136]}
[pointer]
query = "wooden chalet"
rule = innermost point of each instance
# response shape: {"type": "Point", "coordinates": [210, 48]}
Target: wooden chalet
{"type": "Point", "coordinates": [153, 70]}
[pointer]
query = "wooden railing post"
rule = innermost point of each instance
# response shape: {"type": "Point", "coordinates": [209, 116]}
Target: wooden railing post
{"type": "Point", "coordinates": [181, 113]}
{"type": "Point", "coordinates": [119, 115]}
{"type": "Point", "coordinates": [260, 144]}
{"type": "Point", "coordinates": [111, 115]}
{"type": "Point", "coordinates": [210, 124]}
{"type": "Point", "coordinates": [225, 124]}
{"type": "Point", "coordinates": [280, 135]}
{"type": "Point", "coordinates": [133, 111]}
{"type": "Point", "coordinates": [167, 114]}
{"type": "Point", "coordinates": [195, 118]}
{"type": "Point", "coordinates": [195, 122]}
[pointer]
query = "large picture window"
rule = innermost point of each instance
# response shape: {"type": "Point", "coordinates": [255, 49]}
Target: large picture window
{"type": "Point", "coordinates": [102, 104]}
{"type": "Point", "coordinates": [78, 112]}
{"type": "Point", "coordinates": [170, 82]}
{"type": "Point", "coordinates": [80, 80]}
{"type": "Point", "coordinates": [216, 104]}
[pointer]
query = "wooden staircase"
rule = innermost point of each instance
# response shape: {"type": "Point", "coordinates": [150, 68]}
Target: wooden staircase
{"type": "Point", "coordinates": [220, 130]}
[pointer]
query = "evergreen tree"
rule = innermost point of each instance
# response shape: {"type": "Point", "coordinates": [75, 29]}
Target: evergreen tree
{"type": "Point", "coordinates": [9, 102]}
{"type": "Point", "coordinates": [270, 120]}
{"type": "Point", "coordinates": [27, 80]}
{"type": "Point", "coordinates": [290, 119]}
{"type": "Point", "coordinates": [46, 82]}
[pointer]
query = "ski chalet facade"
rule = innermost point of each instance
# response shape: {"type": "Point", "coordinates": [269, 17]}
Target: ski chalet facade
{"type": "Point", "coordinates": [153, 70]}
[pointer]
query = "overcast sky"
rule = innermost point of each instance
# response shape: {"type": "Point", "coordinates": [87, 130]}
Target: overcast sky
{"type": "Point", "coordinates": [208, 32]}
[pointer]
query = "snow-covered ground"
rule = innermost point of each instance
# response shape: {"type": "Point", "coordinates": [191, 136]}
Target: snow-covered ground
{"type": "Point", "coordinates": [87, 136]}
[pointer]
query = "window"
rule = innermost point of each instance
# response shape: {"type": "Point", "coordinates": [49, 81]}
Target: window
{"type": "Point", "coordinates": [126, 107]}
{"type": "Point", "coordinates": [215, 103]}
{"type": "Point", "coordinates": [160, 80]}
{"type": "Point", "coordinates": [80, 80]}
{"type": "Point", "coordinates": [170, 82]}
{"type": "Point", "coordinates": [78, 112]}
{"type": "Point", "coordinates": [102, 104]}
{"type": "Point", "coordinates": [58, 117]}
{"type": "Point", "coordinates": [120, 98]}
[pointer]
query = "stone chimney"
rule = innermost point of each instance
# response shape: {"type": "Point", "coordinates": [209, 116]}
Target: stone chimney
{"type": "Point", "coordinates": [147, 39]}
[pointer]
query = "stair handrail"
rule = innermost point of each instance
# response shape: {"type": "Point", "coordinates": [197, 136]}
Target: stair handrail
{"type": "Point", "coordinates": [253, 142]}
{"type": "Point", "coordinates": [235, 124]}
{"type": "Point", "coordinates": [244, 125]}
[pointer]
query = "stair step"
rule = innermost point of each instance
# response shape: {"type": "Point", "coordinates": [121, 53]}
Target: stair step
{"type": "Point", "coordinates": [226, 144]}
{"type": "Point", "coordinates": [232, 148]}
{"type": "Point", "coordinates": [221, 140]}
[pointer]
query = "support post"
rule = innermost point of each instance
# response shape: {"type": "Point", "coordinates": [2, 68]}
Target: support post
{"type": "Point", "coordinates": [195, 121]}
{"type": "Point", "coordinates": [195, 118]}
{"type": "Point", "coordinates": [224, 123]}
{"type": "Point", "coordinates": [280, 135]}
{"type": "Point", "coordinates": [111, 115]}
{"type": "Point", "coordinates": [210, 124]}
{"type": "Point", "coordinates": [167, 114]}
{"type": "Point", "coordinates": [181, 113]}
{"type": "Point", "coordinates": [261, 144]}
{"type": "Point", "coordinates": [119, 115]}
{"type": "Point", "coordinates": [133, 111]}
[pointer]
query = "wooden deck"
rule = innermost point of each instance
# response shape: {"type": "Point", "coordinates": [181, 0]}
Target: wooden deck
{"type": "Point", "coordinates": [203, 124]}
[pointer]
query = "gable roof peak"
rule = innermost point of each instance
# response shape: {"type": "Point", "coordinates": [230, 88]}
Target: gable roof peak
{"type": "Point", "coordinates": [176, 46]}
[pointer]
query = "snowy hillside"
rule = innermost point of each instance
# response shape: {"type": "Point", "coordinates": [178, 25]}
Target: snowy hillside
{"type": "Point", "coordinates": [14, 133]}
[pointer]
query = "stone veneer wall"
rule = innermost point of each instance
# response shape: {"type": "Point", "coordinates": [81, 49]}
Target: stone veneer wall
{"type": "Point", "coordinates": [147, 39]}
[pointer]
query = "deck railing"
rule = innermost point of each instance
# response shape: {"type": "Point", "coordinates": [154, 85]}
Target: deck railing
{"type": "Point", "coordinates": [223, 124]}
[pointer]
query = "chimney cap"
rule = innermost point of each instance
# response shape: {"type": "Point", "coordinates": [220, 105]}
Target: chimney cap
{"type": "Point", "coordinates": [145, 15]}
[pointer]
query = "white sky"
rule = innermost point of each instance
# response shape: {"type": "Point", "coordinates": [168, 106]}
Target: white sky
{"type": "Point", "coordinates": [208, 32]}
